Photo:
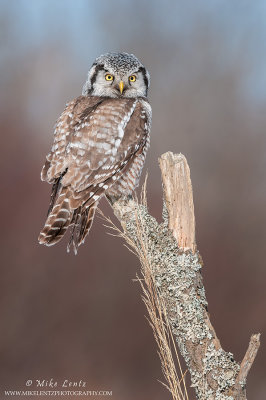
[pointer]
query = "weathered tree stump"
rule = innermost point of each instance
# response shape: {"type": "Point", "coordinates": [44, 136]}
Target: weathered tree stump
{"type": "Point", "coordinates": [169, 249]}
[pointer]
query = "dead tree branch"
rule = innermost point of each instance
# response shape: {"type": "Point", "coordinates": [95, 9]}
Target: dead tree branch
{"type": "Point", "coordinates": [176, 269]}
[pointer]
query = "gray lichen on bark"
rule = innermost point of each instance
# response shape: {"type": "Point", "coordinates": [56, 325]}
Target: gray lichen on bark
{"type": "Point", "coordinates": [215, 374]}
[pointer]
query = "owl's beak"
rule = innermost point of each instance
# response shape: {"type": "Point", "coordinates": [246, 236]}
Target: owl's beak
{"type": "Point", "coordinates": [121, 86]}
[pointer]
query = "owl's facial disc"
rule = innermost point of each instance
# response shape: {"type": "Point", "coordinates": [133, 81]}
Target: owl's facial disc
{"type": "Point", "coordinates": [110, 83]}
{"type": "Point", "coordinates": [117, 75]}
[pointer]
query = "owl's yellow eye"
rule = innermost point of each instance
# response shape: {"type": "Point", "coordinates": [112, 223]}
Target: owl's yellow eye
{"type": "Point", "coordinates": [132, 78]}
{"type": "Point", "coordinates": [109, 77]}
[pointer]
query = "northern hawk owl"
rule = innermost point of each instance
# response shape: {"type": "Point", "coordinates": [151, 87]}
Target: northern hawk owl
{"type": "Point", "coordinates": [99, 148]}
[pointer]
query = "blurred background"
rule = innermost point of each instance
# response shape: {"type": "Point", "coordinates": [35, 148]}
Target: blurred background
{"type": "Point", "coordinates": [82, 317]}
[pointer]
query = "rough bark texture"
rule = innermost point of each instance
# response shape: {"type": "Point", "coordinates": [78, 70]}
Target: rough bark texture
{"type": "Point", "coordinates": [178, 197]}
{"type": "Point", "coordinates": [176, 266]}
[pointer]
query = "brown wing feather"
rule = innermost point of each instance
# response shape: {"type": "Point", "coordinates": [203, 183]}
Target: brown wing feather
{"type": "Point", "coordinates": [56, 160]}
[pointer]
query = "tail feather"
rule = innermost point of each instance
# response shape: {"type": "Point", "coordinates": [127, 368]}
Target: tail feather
{"type": "Point", "coordinates": [82, 222]}
{"type": "Point", "coordinates": [73, 237]}
{"type": "Point", "coordinates": [58, 220]}
{"type": "Point", "coordinates": [85, 227]}
{"type": "Point", "coordinates": [54, 193]}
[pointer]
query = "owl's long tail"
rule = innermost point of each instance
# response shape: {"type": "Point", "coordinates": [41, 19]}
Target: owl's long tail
{"type": "Point", "coordinates": [58, 220]}
{"type": "Point", "coordinates": [61, 216]}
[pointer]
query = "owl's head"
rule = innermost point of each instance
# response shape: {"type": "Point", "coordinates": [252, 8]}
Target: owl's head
{"type": "Point", "coordinates": [117, 75]}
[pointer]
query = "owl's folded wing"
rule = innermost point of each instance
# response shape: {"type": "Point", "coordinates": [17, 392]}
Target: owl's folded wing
{"type": "Point", "coordinates": [56, 161]}
{"type": "Point", "coordinates": [104, 145]}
